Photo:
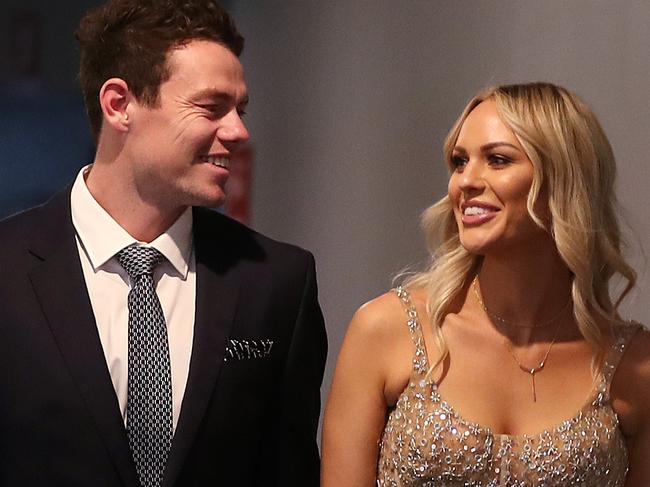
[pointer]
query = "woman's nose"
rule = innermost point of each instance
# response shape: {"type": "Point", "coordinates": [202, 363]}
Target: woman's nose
{"type": "Point", "coordinates": [471, 177]}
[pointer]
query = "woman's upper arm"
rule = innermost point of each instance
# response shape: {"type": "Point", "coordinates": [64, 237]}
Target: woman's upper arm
{"type": "Point", "coordinates": [356, 408]}
{"type": "Point", "coordinates": [632, 388]}
{"type": "Point", "coordinates": [638, 448]}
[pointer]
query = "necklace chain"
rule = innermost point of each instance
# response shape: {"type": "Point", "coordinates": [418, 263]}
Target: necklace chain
{"type": "Point", "coordinates": [528, 370]}
{"type": "Point", "coordinates": [509, 323]}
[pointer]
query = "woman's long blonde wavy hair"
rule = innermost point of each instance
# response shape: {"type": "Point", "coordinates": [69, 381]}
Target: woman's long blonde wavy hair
{"type": "Point", "coordinates": [574, 163]}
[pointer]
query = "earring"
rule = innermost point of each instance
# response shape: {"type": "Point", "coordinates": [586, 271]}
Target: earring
{"type": "Point", "coordinates": [126, 117]}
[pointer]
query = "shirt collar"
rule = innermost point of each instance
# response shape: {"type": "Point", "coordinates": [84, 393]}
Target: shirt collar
{"type": "Point", "coordinates": [102, 237]}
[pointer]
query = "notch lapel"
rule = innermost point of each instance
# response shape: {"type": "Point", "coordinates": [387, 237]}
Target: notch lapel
{"type": "Point", "coordinates": [216, 301]}
{"type": "Point", "coordinates": [61, 290]}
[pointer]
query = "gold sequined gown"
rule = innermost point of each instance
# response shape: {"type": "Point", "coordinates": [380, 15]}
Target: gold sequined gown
{"type": "Point", "coordinates": [427, 444]}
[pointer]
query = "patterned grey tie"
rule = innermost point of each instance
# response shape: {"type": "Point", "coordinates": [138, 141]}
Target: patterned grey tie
{"type": "Point", "coordinates": [149, 420]}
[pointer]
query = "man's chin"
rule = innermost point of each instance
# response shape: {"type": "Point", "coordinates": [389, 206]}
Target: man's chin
{"type": "Point", "coordinates": [209, 201]}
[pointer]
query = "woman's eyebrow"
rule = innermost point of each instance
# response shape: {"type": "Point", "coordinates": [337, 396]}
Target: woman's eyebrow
{"type": "Point", "coordinates": [487, 147]}
{"type": "Point", "coordinates": [493, 145]}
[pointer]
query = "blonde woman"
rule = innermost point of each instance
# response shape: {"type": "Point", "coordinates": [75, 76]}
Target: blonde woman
{"type": "Point", "coordinates": [506, 363]}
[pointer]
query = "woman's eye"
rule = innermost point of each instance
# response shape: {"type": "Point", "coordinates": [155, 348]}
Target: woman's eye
{"type": "Point", "coordinates": [498, 160]}
{"type": "Point", "coordinates": [458, 162]}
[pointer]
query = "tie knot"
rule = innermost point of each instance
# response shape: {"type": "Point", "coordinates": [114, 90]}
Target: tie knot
{"type": "Point", "coordinates": [138, 261]}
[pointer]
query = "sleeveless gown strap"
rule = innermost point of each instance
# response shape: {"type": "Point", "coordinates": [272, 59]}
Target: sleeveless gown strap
{"type": "Point", "coordinates": [420, 360]}
{"type": "Point", "coordinates": [622, 336]}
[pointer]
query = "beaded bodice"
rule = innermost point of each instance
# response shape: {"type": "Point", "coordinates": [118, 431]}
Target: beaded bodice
{"type": "Point", "coordinates": [426, 443]}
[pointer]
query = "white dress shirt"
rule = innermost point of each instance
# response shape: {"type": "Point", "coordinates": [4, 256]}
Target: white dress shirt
{"type": "Point", "coordinates": [99, 237]}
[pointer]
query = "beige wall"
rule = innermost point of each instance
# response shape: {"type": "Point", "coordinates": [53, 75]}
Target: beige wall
{"type": "Point", "coordinates": [350, 101]}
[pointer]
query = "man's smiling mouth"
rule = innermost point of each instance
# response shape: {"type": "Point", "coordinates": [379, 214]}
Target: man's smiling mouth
{"type": "Point", "coordinates": [219, 161]}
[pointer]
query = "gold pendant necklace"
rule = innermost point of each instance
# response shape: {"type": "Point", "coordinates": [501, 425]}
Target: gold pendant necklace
{"type": "Point", "coordinates": [532, 370]}
{"type": "Point", "coordinates": [528, 370]}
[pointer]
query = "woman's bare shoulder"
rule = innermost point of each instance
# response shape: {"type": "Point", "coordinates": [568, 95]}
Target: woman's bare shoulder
{"type": "Point", "coordinates": [378, 341]}
{"type": "Point", "coordinates": [380, 317]}
{"type": "Point", "coordinates": [387, 314]}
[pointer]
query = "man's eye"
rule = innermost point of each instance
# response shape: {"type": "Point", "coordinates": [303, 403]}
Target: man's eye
{"type": "Point", "coordinates": [241, 112]}
{"type": "Point", "coordinates": [214, 109]}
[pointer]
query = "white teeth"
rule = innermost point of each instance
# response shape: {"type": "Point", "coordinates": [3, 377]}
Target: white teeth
{"type": "Point", "coordinates": [217, 161]}
{"type": "Point", "coordinates": [475, 210]}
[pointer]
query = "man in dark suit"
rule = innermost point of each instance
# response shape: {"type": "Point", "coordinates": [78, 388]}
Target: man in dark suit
{"type": "Point", "coordinates": [146, 340]}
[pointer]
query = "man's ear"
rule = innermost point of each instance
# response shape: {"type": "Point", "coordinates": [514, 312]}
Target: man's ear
{"type": "Point", "coordinates": [114, 98]}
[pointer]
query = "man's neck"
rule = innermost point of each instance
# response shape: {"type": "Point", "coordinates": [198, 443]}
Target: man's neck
{"type": "Point", "coordinates": [142, 220]}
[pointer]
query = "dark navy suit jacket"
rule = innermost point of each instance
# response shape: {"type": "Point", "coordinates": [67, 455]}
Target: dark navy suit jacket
{"type": "Point", "coordinates": [247, 422]}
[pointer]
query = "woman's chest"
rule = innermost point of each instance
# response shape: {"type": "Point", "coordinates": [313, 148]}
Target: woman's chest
{"type": "Point", "coordinates": [426, 442]}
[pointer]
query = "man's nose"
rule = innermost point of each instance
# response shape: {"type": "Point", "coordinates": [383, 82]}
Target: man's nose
{"type": "Point", "coordinates": [232, 128]}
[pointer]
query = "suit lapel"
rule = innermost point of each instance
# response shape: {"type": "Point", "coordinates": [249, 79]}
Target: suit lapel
{"type": "Point", "coordinates": [61, 290]}
{"type": "Point", "coordinates": [216, 301]}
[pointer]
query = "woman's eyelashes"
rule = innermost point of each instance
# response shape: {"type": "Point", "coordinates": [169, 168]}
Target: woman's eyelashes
{"type": "Point", "coordinates": [459, 161]}
{"type": "Point", "coordinates": [498, 159]}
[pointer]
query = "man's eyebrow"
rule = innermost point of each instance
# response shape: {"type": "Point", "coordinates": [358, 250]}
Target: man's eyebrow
{"type": "Point", "coordinates": [210, 93]}
{"type": "Point", "coordinates": [214, 94]}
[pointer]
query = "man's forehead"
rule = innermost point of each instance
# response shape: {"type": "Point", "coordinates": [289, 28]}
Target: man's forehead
{"type": "Point", "coordinates": [200, 52]}
{"type": "Point", "coordinates": [206, 70]}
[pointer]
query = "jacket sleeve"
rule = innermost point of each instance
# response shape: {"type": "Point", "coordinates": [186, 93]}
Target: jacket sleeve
{"type": "Point", "coordinates": [295, 456]}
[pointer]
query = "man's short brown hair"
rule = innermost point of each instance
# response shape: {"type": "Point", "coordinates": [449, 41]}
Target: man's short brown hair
{"type": "Point", "coordinates": [130, 39]}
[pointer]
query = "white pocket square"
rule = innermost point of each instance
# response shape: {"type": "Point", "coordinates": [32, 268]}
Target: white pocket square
{"type": "Point", "coordinates": [247, 349]}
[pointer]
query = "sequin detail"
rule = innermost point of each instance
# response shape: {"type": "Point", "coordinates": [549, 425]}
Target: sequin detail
{"type": "Point", "coordinates": [426, 443]}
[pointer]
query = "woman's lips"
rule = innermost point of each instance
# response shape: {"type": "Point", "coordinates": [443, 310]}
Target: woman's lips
{"type": "Point", "coordinates": [478, 214]}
